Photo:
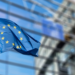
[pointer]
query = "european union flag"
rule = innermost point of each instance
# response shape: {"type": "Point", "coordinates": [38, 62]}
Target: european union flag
{"type": "Point", "coordinates": [13, 37]}
{"type": "Point", "coordinates": [52, 29]}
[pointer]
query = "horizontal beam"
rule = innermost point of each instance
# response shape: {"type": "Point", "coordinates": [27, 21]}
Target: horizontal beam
{"type": "Point", "coordinates": [60, 5]}
{"type": "Point", "coordinates": [35, 12]}
{"type": "Point", "coordinates": [51, 59]}
{"type": "Point", "coordinates": [24, 8]}
{"type": "Point", "coordinates": [30, 67]}
{"type": "Point", "coordinates": [51, 9]}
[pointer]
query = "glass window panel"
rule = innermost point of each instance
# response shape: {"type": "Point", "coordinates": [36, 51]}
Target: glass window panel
{"type": "Point", "coordinates": [69, 19]}
{"type": "Point", "coordinates": [69, 4]}
{"type": "Point", "coordinates": [3, 5]}
{"type": "Point", "coordinates": [2, 69]}
{"type": "Point", "coordinates": [27, 4]}
{"type": "Point", "coordinates": [20, 58]}
{"type": "Point", "coordinates": [25, 13]}
{"type": "Point", "coordinates": [3, 56]}
{"type": "Point", "coordinates": [60, 1]}
{"type": "Point", "coordinates": [16, 70]}
{"type": "Point", "coordinates": [73, 14]}
{"type": "Point", "coordinates": [14, 19]}
{"type": "Point", "coordinates": [65, 10]}
{"type": "Point", "coordinates": [3, 15]}
{"type": "Point", "coordinates": [19, 11]}
{"type": "Point", "coordinates": [50, 68]}
{"type": "Point", "coordinates": [26, 24]}
{"type": "Point", "coordinates": [40, 9]}
{"type": "Point", "coordinates": [20, 22]}
{"type": "Point", "coordinates": [20, 2]}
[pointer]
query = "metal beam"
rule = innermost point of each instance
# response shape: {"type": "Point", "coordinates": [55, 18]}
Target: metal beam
{"type": "Point", "coordinates": [50, 59]}
{"type": "Point", "coordinates": [35, 12]}
{"type": "Point", "coordinates": [26, 66]}
{"type": "Point", "coordinates": [25, 8]}
{"type": "Point", "coordinates": [60, 5]}
{"type": "Point", "coordinates": [51, 9]}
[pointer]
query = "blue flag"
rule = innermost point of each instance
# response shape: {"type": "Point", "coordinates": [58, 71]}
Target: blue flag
{"type": "Point", "coordinates": [53, 29]}
{"type": "Point", "coordinates": [13, 37]}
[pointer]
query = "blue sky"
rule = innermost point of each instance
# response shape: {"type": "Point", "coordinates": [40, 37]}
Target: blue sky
{"type": "Point", "coordinates": [19, 58]}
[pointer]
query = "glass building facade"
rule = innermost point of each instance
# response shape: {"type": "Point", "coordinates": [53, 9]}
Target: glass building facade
{"type": "Point", "coordinates": [12, 62]}
{"type": "Point", "coordinates": [29, 16]}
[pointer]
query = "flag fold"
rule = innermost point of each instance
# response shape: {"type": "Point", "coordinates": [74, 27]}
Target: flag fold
{"type": "Point", "coordinates": [13, 37]}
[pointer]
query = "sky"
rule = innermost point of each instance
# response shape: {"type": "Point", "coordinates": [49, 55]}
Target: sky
{"type": "Point", "coordinates": [16, 57]}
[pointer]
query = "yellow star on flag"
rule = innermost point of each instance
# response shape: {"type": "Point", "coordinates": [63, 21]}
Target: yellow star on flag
{"type": "Point", "coordinates": [7, 41]}
{"type": "Point", "coordinates": [17, 47]}
{"type": "Point", "coordinates": [2, 38]}
{"type": "Point", "coordinates": [3, 27]}
{"type": "Point", "coordinates": [8, 25]}
{"type": "Point", "coordinates": [19, 32]}
{"type": "Point", "coordinates": [13, 44]}
{"type": "Point", "coordinates": [15, 27]}
{"type": "Point", "coordinates": [20, 46]}
{"type": "Point", "coordinates": [21, 38]}
{"type": "Point", "coordinates": [1, 32]}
